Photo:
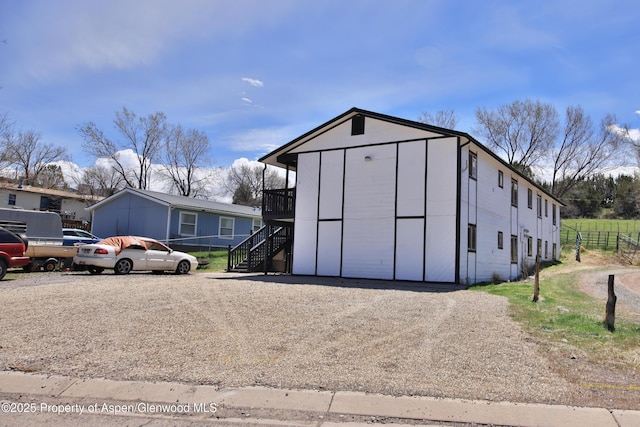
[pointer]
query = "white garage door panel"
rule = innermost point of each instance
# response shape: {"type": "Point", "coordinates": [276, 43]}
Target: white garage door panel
{"type": "Point", "coordinates": [409, 249]}
{"type": "Point", "coordinates": [368, 248]}
{"type": "Point", "coordinates": [329, 248]}
{"type": "Point", "coordinates": [440, 257]}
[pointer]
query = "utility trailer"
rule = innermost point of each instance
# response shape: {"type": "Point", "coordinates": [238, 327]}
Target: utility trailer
{"type": "Point", "coordinates": [42, 231]}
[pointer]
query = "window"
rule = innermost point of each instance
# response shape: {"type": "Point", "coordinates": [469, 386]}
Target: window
{"type": "Point", "coordinates": [500, 240]}
{"type": "Point", "coordinates": [514, 193]}
{"type": "Point", "coordinates": [546, 208]}
{"type": "Point", "coordinates": [188, 223]}
{"type": "Point", "coordinates": [539, 205]}
{"type": "Point", "coordinates": [12, 200]}
{"type": "Point", "coordinates": [529, 198]}
{"type": "Point", "coordinates": [226, 228]}
{"type": "Point", "coordinates": [257, 225]}
{"type": "Point", "coordinates": [553, 213]}
{"type": "Point", "coordinates": [473, 165]}
{"type": "Point", "coordinates": [357, 125]}
{"type": "Point", "coordinates": [546, 249]}
{"type": "Point", "coordinates": [539, 247]}
{"type": "Point", "coordinates": [514, 249]}
{"type": "Point", "coordinates": [553, 254]}
{"type": "Point", "coordinates": [529, 246]}
{"type": "Point", "coordinates": [471, 237]}
{"type": "Point", "coordinates": [500, 179]}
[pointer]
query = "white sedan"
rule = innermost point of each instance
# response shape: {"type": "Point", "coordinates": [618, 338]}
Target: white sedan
{"type": "Point", "coordinates": [124, 254]}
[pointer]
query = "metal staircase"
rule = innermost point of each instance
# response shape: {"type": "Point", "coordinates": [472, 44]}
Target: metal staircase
{"type": "Point", "coordinates": [256, 252]}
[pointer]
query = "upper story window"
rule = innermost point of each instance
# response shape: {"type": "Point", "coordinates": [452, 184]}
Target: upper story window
{"type": "Point", "coordinates": [471, 238]}
{"type": "Point", "coordinates": [500, 240]}
{"type": "Point", "coordinates": [546, 208]}
{"type": "Point", "coordinates": [553, 213]}
{"type": "Point", "coordinates": [357, 125]}
{"type": "Point", "coordinates": [12, 200]}
{"type": "Point", "coordinates": [539, 205]}
{"type": "Point", "coordinates": [529, 198]}
{"type": "Point", "coordinates": [188, 222]}
{"type": "Point", "coordinates": [473, 165]}
{"type": "Point", "coordinates": [500, 179]}
{"type": "Point", "coordinates": [514, 193]}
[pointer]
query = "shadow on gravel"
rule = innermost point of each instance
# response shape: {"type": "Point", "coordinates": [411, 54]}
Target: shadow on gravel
{"type": "Point", "coordinates": [341, 282]}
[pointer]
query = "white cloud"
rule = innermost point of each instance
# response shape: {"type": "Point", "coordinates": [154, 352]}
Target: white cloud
{"type": "Point", "coordinates": [253, 82]}
{"type": "Point", "coordinates": [247, 100]}
{"type": "Point", "coordinates": [260, 140]}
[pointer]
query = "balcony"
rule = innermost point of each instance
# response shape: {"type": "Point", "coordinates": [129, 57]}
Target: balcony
{"type": "Point", "coordinates": [278, 206]}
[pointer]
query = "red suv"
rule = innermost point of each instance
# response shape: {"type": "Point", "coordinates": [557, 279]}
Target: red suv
{"type": "Point", "coordinates": [12, 249]}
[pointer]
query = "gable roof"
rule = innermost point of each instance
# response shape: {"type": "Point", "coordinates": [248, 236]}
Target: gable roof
{"type": "Point", "coordinates": [279, 156]}
{"type": "Point", "coordinates": [283, 156]}
{"type": "Point", "coordinates": [184, 202]}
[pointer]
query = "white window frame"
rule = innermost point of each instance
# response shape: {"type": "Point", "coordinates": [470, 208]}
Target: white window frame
{"type": "Point", "coordinates": [233, 226]}
{"type": "Point", "coordinates": [183, 222]}
{"type": "Point", "coordinates": [257, 224]}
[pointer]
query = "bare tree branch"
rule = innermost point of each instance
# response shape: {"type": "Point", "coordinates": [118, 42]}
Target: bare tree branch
{"type": "Point", "coordinates": [524, 131]}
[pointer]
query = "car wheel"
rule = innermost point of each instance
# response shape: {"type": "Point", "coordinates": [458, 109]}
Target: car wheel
{"type": "Point", "coordinates": [50, 266]}
{"type": "Point", "coordinates": [3, 268]}
{"type": "Point", "coordinates": [123, 266]}
{"type": "Point", "coordinates": [95, 270]}
{"type": "Point", "coordinates": [183, 267]}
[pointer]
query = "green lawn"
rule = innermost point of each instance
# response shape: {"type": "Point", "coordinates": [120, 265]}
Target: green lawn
{"type": "Point", "coordinates": [564, 315]}
{"type": "Point", "coordinates": [626, 226]}
{"type": "Point", "coordinates": [217, 260]}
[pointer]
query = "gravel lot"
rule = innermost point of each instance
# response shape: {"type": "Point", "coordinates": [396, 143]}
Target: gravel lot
{"type": "Point", "coordinates": [296, 332]}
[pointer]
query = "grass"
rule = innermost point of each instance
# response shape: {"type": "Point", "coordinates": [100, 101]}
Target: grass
{"type": "Point", "coordinates": [565, 315]}
{"type": "Point", "coordinates": [613, 225]}
{"type": "Point", "coordinates": [217, 259]}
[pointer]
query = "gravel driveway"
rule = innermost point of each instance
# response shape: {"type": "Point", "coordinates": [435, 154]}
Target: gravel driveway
{"type": "Point", "coordinates": [283, 331]}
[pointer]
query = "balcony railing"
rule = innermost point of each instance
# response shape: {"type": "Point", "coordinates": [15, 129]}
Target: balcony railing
{"type": "Point", "coordinates": [279, 204]}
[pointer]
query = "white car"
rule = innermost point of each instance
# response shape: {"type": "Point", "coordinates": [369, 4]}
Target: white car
{"type": "Point", "coordinates": [124, 254]}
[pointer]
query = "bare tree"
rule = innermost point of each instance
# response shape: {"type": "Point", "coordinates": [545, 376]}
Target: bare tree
{"type": "Point", "coordinates": [443, 118]}
{"type": "Point", "coordinates": [524, 131]}
{"type": "Point", "coordinates": [583, 150]}
{"type": "Point", "coordinates": [31, 156]}
{"type": "Point", "coordinates": [143, 135]}
{"type": "Point", "coordinates": [245, 183]}
{"type": "Point", "coordinates": [100, 180]}
{"type": "Point", "coordinates": [6, 133]}
{"type": "Point", "coordinates": [51, 176]}
{"type": "Point", "coordinates": [185, 157]}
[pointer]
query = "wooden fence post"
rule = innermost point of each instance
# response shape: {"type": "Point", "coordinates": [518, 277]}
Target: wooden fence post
{"type": "Point", "coordinates": [536, 286]}
{"type": "Point", "coordinates": [610, 315]}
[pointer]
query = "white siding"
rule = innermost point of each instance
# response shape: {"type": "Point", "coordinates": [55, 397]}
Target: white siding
{"type": "Point", "coordinates": [369, 212]}
{"type": "Point", "coordinates": [376, 132]}
{"type": "Point", "coordinates": [409, 249]}
{"type": "Point", "coordinates": [306, 219]}
{"type": "Point", "coordinates": [332, 168]}
{"type": "Point", "coordinates": [411, 178]}
{"type": "Point", "coordinates": [329, 248]}
{"type": "Point", "coordinates": [440, 256]}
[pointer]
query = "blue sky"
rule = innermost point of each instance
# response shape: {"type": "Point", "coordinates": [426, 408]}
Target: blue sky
{"type": "Point", "coordinates": [254, 75]}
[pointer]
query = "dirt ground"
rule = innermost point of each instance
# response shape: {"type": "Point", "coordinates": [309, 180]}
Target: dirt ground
{"type": "Point", "coordinates": [308, 333]}
{"type": "Point", "coordinates": [612, 378]}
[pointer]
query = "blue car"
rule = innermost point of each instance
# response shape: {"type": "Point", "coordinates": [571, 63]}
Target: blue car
{"type": "Point", "coordinates": [72, 236]}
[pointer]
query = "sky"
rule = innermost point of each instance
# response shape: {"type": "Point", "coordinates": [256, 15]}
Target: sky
{"type": "Point", "coordinates": [256, 74]}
